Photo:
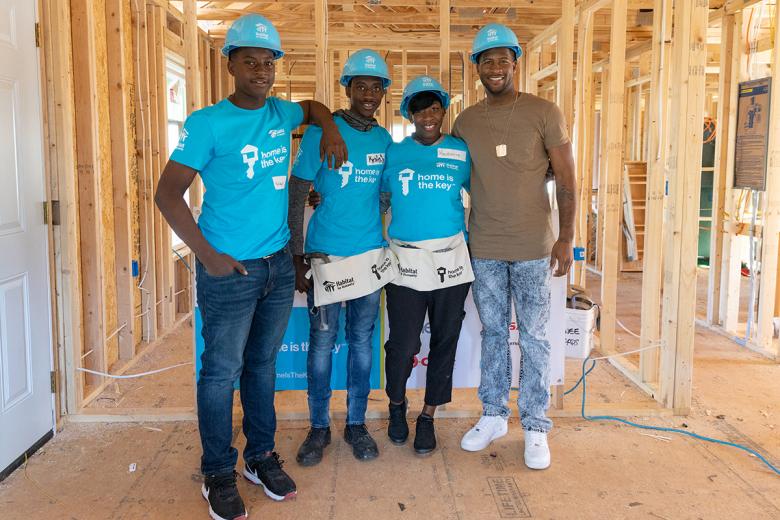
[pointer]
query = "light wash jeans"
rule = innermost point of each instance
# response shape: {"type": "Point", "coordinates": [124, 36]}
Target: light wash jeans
{"type": "Point", "coordinates": [496, 284]}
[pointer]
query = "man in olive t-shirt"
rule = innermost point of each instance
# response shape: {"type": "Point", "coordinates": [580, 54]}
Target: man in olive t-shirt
{"type": "Point", "coordinates": [513, 138]}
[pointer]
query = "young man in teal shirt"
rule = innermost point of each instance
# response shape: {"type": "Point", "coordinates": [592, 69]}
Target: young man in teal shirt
{"type": "Point", "coordinates": [245, 277]}
{"type": "Point", "coordinates": [345, 228]}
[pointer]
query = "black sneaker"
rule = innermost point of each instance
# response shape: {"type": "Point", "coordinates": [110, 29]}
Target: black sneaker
{"type": "Point", "coordinates": [268, 473]}
{"type": "Point", "coordinates": [363, 446]}
{"type": "Point", "coordinates": [424, 436]}
{"type": "Point", "coordinates": [221, 493]}
{"type": "Point", "coordinates": [310, 452]}
{"type": "Point", "coordinates": [397, 429]}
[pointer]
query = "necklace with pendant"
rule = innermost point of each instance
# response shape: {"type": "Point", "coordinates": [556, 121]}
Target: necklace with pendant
{"type": "Point", "coordinates": [501, 150]}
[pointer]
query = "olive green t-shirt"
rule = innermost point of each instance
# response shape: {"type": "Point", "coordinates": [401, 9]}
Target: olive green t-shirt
{"type": "Point", "coordinates": [510, 216]}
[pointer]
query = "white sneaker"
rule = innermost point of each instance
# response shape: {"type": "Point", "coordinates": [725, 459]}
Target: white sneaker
{"type": "Point", "coordinates": [489, 428]}
{"type": "Point", "coordinates": [537, 452]}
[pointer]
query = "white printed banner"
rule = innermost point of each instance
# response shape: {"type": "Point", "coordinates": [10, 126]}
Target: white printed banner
{"type": "Point", "coordinates": [466, 372]}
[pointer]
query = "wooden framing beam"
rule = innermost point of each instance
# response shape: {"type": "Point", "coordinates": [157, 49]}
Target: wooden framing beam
{"type": "Point", "coordinates": [444, 54]}
{"type": "Point", "coordinates": [565, 100]}
{"type": "Point", "coordinates": [105, 183]}
{"type": "Point", "coordinates": [641, 80]}
{"type": "Point", "coordinates": [602, 165]}
{"type": "Point", "coordinates": [404, 80]}
{"type": "Point", "coordinates": [88, 164]}
{"type": "Point", "coordinates": [565, 62]}
{"type": "Point", "coordinates": [583, 138]}
{"type": "Point", "coordinates": [614, 171]}
{"type": "Point", "coordinates": [533, 57]}
{"type": "Point", "coordinates": [730, 51]}
{"type": "Point", "coordinates": [661, 64]}
{"type": "Point", "coordinates": [192, 70]}
{"type": "Point", "coordinates": [197, 98]}
{"type": "Point", "coordinates": [379, 18]}
{"type": "Point", "coordinates": [730, 271]}
{"type": "Point", "coordinates": [203, 78]}
{"type": "Point", "coordinates": [174, 42]}
{"type": "Point", "coordinates": [120, 81]}
{"type": "Point", "coordinates": [682, 224]}
{"type": "Point", "coordinates": [769, 296]}
{"type": "Point", "coordinates": [216, 76]}
{"type": "Point", "coordinates": [147, 267]}
{"type": "Point", "coordinates": [157, 74]}
{"type": "Point", "coordinates": [322, 91]}
{"type": "Point", "coordinates": [544, 73]}
{"type": "Point", "coordinates": [632, 52]}
{"type": "Point", "coordinates": [62, 165]}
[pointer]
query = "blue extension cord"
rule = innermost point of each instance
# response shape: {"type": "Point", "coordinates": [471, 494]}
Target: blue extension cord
{"type": "Point", "coordinates": [581, 380]}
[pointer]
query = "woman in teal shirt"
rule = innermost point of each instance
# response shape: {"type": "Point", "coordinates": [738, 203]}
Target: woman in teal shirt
{"type": "Point", "coordinates": [425, 175]}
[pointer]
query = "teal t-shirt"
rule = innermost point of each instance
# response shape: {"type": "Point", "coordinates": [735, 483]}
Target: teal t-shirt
{"type": "Point", "coordinates": [243, 158]}
{"type": "Point", "coordinates": [347, 222]}
{"type": "Point", "coordinates": [425, 185]}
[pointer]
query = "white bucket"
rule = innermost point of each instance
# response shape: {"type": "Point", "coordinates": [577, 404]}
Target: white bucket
{"type": "Point", "coordinates": [578, 335]}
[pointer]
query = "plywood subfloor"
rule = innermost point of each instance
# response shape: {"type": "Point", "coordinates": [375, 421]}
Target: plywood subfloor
{"type": "Point", "coordinates": [170, 389]}
{"type": "Point", "coordinates": [599, 471]}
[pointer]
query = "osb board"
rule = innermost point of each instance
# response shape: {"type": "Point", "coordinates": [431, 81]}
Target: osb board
{"type": "Point", "coordinates": [105, 186]}
{"type": "Point", "coordinates": [598, 471]}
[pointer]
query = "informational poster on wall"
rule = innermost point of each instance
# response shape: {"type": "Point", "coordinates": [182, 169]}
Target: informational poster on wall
{"type": "Point", "coordinates": [752, 137]}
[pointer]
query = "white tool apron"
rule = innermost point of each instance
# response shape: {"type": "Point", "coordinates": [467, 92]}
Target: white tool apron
{"type": "Point", "coordinates": [342, 278]}
{"type": "Point", "coordinates": [428, 265]}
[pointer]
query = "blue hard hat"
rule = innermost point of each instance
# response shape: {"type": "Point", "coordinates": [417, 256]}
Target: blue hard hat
{"type": "Point", "coordinates": [492, 36]}
{"type": "Point", "coordinates": [365, 62]}
{"type": "Point", "coordinates": [253, 30]}
{"type": "Point", "coordinates": [423, 84]}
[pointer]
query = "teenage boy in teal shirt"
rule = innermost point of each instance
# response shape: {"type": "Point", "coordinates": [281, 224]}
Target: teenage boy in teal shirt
{"type": "Point", "coordinates": [346, 225]}
{"type": "Point", "coordinates": [245, 277]}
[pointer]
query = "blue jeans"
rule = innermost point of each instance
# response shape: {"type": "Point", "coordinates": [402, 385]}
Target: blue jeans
{"type": "Point", "coordinates": [496, 284]}
{"type": "Point", "coordinates": [323, 328]}
{"type": "Point", "coordinates": [244, 319]}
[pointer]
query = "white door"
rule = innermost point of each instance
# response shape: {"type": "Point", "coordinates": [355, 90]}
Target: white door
{"type": "Point", "coordinates": [25, 330]}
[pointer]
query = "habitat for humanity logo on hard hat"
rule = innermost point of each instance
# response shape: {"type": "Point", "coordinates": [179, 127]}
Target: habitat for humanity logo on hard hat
{"type": "Point", "coordinates": [253, 30]}
{"type": "Point", "coordinates": [492, 35]}
{"type": "Point", "coordinates": [370, 62]}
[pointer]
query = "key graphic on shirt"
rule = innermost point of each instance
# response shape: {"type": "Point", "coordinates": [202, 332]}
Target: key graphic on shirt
{"type": "Point", "coordinates": [249, 153]}
{"type": "Point", "coordinates": [376, 272]}
{"type": "Point", "coordinates": [405, 176]}
{"type": "Point", "coordinates": [345, 172]}
{"type": "Point", "coordinates": [441, 271]}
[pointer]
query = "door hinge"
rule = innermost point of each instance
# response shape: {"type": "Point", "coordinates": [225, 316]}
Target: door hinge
{"type": "Point", "coordinates": [51, 212]}
{"type": "Point", "coordinates": [37, 34]}
{"type": "Point", "coordinates": [53, 380]}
